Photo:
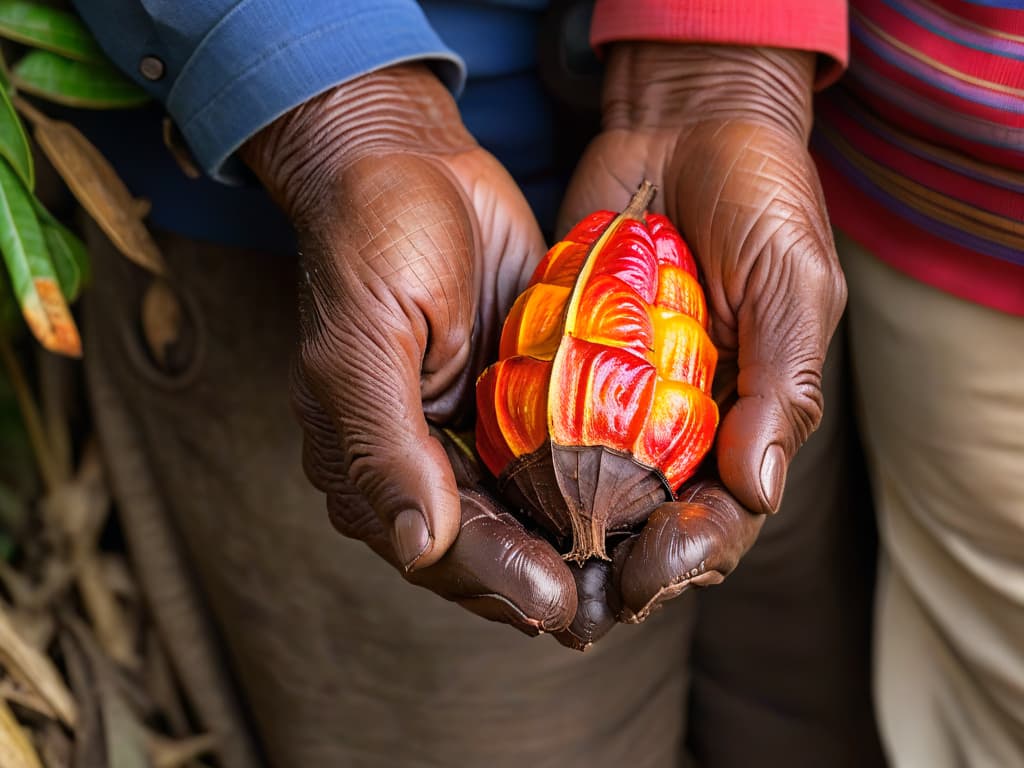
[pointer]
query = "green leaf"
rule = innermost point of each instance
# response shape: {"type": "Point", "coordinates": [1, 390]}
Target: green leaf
{"type": "Point", "coordinates": [69, 255]}
{"type": "Point", "coordinates": [75, 83]}
{"type": "Point", "coordinates": [96, 185]}
{"type": "Point", "coordinates": [48, 28]}
{"type": "Point", "coordinates": [13, 141]}
{"type": "Point", "coordinates": [32, 273]}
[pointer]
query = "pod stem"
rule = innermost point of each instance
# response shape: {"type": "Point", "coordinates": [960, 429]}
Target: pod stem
{"type": "Point", "coordinates": [640, 202]}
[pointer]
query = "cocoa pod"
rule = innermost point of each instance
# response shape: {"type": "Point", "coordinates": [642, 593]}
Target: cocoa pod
{"type": "Point", "coordinates": [599, 406]}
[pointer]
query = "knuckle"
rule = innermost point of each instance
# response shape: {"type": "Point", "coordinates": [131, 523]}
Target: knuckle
{"type": "Point", "coordinates": [552, 599]}
{"type": "Point", "coordinates": [806, 403]}
{"type": "Point", "coordinates": [371, 473]}
{"type": "Point", "coordinates": [824, 278]}
{"type": "Point", "coordinates": [819, 268]}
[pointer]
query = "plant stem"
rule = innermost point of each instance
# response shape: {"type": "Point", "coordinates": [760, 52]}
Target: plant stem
{"type": "Point", "coordinates": [30, 415]}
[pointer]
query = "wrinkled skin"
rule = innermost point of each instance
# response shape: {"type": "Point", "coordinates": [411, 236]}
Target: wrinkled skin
{"type": "Point", "coordinates": [415, 242]}
{"type": "Point", "coordinates": [723, 133]}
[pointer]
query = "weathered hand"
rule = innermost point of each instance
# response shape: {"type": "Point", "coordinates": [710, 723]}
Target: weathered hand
{"type": "Point", "coordinates": [414, 241]}
{"type": "Point", "coordinates": [723, 133]}
{"type": "Point", "coordinates": [695, 541]}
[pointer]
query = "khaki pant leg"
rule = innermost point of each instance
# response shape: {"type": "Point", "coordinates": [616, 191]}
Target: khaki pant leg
{"type": "Point", "coordinates": [780, 661]}
{"type": "Point", "coordinates": [337, 661]}
{"type": "Point", "coordinates": [941, 393]}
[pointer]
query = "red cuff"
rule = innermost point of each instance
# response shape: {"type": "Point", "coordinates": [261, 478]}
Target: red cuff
{"type": "Point", "coordinates": [807, 25]}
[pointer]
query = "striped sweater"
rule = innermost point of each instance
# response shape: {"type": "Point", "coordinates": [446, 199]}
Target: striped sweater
{"type": "Point", "coordinates": [920, 145]}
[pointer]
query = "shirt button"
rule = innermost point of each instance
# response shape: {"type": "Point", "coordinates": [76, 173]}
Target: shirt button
{"type": "Point", "coordinates": [151, 68]}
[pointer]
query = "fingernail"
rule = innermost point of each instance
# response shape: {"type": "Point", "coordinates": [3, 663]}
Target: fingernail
{"type": "Point", "coordinates": [410, 537]}
{"type": "Point", "coordinates": [773, 476]}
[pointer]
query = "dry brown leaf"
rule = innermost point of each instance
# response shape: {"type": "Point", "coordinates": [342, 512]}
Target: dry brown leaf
{"type": "Point", "coordinates": [14, 693]}
{"type": "Point", "coordinates": [81, 508]}
{"type": "Point", "coordinates": [34, 670]}
{"type": "Point", "coordinates": [56, 578]}
{"type": "Point", "coordinates": [162, 320]}
{"type": "Point", "coordinates": [16, 750]}
{"type": "Point", "coordinates": [117, 574]}
{"type": "Point", "coordinates": [173, 753]}
{"type": "Point", "coordinates": [96, 185]}
{"type": "Point", "coordinates": [78, 509]}
{"type": "Point", "coordinates": [179, 150]}
{"type": "Point", "coordinates": [36, 627]}
{"type": "Point", "coordinates": [114, 631]}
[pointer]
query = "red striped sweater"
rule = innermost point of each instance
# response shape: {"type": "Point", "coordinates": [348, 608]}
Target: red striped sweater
{"type": "Point", "coordinates": [920, 146]}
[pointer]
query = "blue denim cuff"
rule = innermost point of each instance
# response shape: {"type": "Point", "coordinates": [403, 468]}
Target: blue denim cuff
{"type": "Point", "coordinates": [267, 56]}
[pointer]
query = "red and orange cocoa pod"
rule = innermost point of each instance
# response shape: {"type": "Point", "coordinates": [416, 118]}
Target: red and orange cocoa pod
{"type": "Point", "coordinates": [599, 406]}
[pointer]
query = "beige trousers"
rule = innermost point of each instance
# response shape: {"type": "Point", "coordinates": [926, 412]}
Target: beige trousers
{"type": "Point", "coordinates": [940, 388]}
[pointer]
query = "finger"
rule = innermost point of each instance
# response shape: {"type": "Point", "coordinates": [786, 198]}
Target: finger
{"type": "Point", "coordinates": [369, 393]}
{"type": "Point", "coordinates": [495, 568]}
{"type": "Point", "coordinates": [784, 331]}
{"type": "Point", "coordinates": [595, 614]}
{"type": "Point", "coordinates": [387, 312]}
{"type": "Point", "coordinates": [322, 460]}
{"type": "Point", "coordinates": [384, 445]}
{"type": "Point", "coordinates": [694, 542]}
{"type": "Point", "coordinates": [348, 511]}
{"type": "Point", "coordinates": [750, 205]}
{"type": "Point", "coordinates": [606, 177]}
{"type": "Point", "coordinates": [500, 571]}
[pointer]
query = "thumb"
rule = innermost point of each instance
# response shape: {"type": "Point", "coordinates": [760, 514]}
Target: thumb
{"type": "Point", "coordinates": [784, 327]}
{"type": "Point", "coordinates": [364, 369]}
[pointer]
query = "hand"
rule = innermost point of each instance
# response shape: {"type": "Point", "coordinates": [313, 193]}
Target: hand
{"type": "Point", "coordinates": [695, 541]}
{"type": "Point", "coordinates": [723, 133]}
{"type": "Point", "coordinates": [414, 241]}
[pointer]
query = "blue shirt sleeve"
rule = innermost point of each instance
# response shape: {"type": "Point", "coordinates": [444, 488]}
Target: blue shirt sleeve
{"type": "Point", "coordinates": [230, 67]}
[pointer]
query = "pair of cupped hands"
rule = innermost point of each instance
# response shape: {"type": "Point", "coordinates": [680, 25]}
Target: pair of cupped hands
{"type": "Point", "coordinates": [415, 243]}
